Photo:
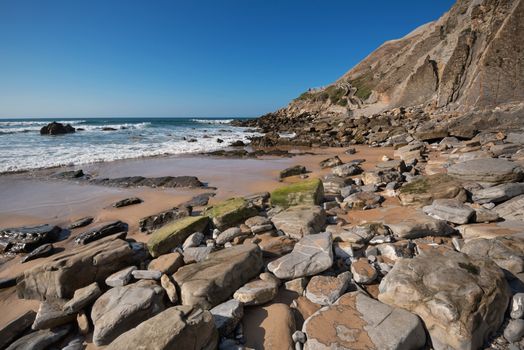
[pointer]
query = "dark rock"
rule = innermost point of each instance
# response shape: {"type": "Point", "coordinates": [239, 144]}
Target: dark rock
{"type": "Point", "coordinates": [81, 222]}
{"type": "Point", "coordinates": [40, 340]}
{"type": "Point", "coordinates": [292, 171]}
{"type": "Point", "coordinates": [73, 174]}
{"type": "Point", "coordinates": [330, 162]}
{"type": "Point", "coordinates": [7, 282]}
{"type": "Point", "coordinates": [237, 143]}
{"type": "Point", "coordinates": [26, 239]}
{"type": "Point", "coordinates": [107, 128]}
{"type": "Point", "coordinates": [101, 231]}
{"type": "Point", "coordinates": [126, 202]}
{"type": "Point", "coordinates": [198, 200]}
{"type": "Point", "coordinates": [140, 181]}
{"type": "Point", "coordinates": [40, 252]}
{"type": "Point", "coordinates": [55, 128]}
{"type": "Point", "coordinates": [153, 222]}
{"type": "Point", "coordinates": [15, 328]}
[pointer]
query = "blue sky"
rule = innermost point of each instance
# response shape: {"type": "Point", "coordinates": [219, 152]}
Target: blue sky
{"type": "Point", "coordinates": [230, 58]}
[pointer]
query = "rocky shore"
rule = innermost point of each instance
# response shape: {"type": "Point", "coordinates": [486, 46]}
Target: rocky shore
{"type": "Point", "coordinates": [423, 250]}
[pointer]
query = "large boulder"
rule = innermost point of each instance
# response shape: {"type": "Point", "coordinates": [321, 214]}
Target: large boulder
{"type": "Point", "coordinates": [461, 299]}
{"type": "Point", "coordinates": [64, 273]}
{"type": "Point", "coordinates": [308, 192]}
{"type": "Point", "coordinates": [179, 327]}
{"type": "Point", "coordinates": [311, 255]}
{"type": "Point", "coordinates": [490, 170]}
{"type": "Point", "coordinates": [424, 190]}
{"type": "Point", "coordinates": [168, 237]}
{"type": "Point", "coordinates": [512, 209]}
{"type": "Point", "coordinates": [122, 308]}
{"type": "Point", "coordinates": [214, 280]}
{"type": "Point", "coordinates": [299, 221]}
{"type": "Point", "coordinates": [417, 225]}
{"type": "Point", "coordinates": [506, 252]}
{"type": "Point", "coordinates": [55, 128]}
{"type": "Point", "coordinates": [356, 321]}
{"type": "Point", "coordinates": [230, 212]}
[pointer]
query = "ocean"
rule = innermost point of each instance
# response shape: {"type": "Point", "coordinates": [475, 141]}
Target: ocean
{"type": "Point", "coordinates": [23, 148]}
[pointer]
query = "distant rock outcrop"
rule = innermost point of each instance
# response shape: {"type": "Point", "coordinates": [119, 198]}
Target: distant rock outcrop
{"type": "Point", "coordinates": [55, 128]}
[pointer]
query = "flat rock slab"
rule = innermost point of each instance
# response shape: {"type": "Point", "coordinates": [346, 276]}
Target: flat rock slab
{"type": "Point", "coordinates": [356, 321]}
{"type": "Point", "coordinates": [419, 225]}
{"type": "Point", "coordinates": [492, 170]}
{"type": "Point", "coordinates": [153, 222]}
{"type": "Point", "coordinates": [423, 190]}
{"type": "Point", "coordinates": [308, 192]}
{"type": "Point", "coordinates": [122, 308]}
{"type": "Point", "coordinates": [64, 273]}
{"type": "Point", "coordinates": [506, 252]}
{"type": "Point", "coordinates": [155, 182]}
{"type": "Point", "coordinates": [498, 194]}
{"type": "Point", "coordinates": [179, 327]}
{"type": "Point", "coordinates": [167, 238]}
{"type": "Point", "coordinates": [299, 221]}
{"type": "Point", "coordinates": [325, 290]}
{"type": "Point", "coordinates": [461, 299]}
{"type": "Point", "coordinates": [450, 210]}
{"type": "Point", "coordinates": [82, 298]}
{"type": "Point", "coordinates": [491, 230]}
{"type": "Point", "coordinates": [81, 222]}
{"type": "Point", "coordinates": [15, 328]}
{"type": "Point", "coordinates": [311, 255]}
{"type": "Point", "coordinates": [230, 212]}
{"type": "Point", "coordinates": [167, 263]}
{"type": "Point", "coordinates": [127, 201]}
{"type": "Point", "coordinates": [214, 280]}
{"type": "Point", "coordinates": [257, 292]}
{"type": "Point", "coordinates": [512, 209]}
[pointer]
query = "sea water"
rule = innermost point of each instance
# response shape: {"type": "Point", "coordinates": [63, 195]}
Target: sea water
{"type": "Point", "coordinates": [23, 148]}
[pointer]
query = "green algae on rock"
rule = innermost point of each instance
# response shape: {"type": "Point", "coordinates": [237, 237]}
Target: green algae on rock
{"type": "Point", "coordinates": [309, 192]}
{"type": "Point", "coordinates": [230, 212]}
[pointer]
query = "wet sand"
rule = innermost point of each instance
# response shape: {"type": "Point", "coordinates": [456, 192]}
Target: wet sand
{"type": "Point", "coordinates": [33, 198]}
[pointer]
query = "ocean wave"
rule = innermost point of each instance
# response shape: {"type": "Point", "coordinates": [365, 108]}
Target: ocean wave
{"type": "Point", "coordinates": [212, 121]}
{"type": "Point", "coordinates": [123, 126]}
{"type": "Point", "coordinates": [37, 123]}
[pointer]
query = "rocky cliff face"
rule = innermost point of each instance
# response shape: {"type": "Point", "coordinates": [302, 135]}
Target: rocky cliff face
{"type": "Point", "coordinates": [469, 60]}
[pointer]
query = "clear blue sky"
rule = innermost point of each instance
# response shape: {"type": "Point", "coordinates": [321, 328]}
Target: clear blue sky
{"type": "Point", "coordinates": [82, 58]}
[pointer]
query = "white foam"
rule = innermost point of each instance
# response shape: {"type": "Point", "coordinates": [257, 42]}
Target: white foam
{"type": "Point", "coordinates": [212, 121]}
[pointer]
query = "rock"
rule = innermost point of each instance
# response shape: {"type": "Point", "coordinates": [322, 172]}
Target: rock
{"type": "Point", "coordinates": [55, 128]}
{"type": "Point", "coordinates": [196, 254]}
{"type": "Point", "coordinates": [227, 315]}
{"type": "Point", "coordinates": [194, 240]}
{"type": "Point", "coordinates": [146, 275]}
{"type": "Point", "coordinates": [269, 327]}
{"type": "Point", "coordinates": [122, 308]}
{"type": "Point", "coordinates": [50, 315]}
{"type": "Point", "coordinates": [514, 331]}
{"type": "Point", "coordinates": [154, 182]}
{"type": "Point", "coordinates": [346, 170]}
{"type": "Point", "coordinates": [363, 272]}
{"type": "Point", "coordinates": [517, 306]}
{"type": "Point", "coordinates": [154, 222]}
{"type": "Point", "coordinates": [497, 194]}
{"type": "Point", "coordinates": [359, 234]}
{"type": "Point", "coordinates": [101, 231]}
{"type": "Point", "coordinates": [512, 209]}
{"type": "Point", "coordinates": [490, 170]}
{"type": "Point", "coordinates": [126, 202]}
{"type": "Point", "coordinates": [120, 278]}
{"type": "Point", "coordinates": [212, 281]}
{"type": "Point", "coordinates": [40, 340]}
{"type": "Point", "coordinates": [450, 210]}
{"type": "Point", "coordinates": [334, 184]}
{"type": "Point", "coordinates": [293, 171]}
{"type": "Point", "coordinates": [420, 225]}
{"type": "Point", "coordinates": [28, 238]}
{"type": "Point", "coordinates": [7, 282]}
{"type": "Point", "coordinates": [43, 251]}
{"type": "Point", "coordinates": [356, 321]}
{"type": "Point", "coordinates": [298, 285]}
{"type": "Point", "coordinates": [83, 323]}
{"type": "Point", "coordinates": [16, 327]}
{"type": "Point", "coordinates": [81, 222]}
{"type": "Point", "coordinates": [167, 263]}
{"type": "Point", "coordinates": [330, 162]}
{"type": "Point", "coordinates": [325, 290]}
{"type": "Point", "coordinates": [257, 221]}
{"type": "Point", "coordinates": [311, 255]}
{"type": "Point", "coordinates": [82, 298]}
{"type": "Point", "coordinates": [230, 212]}
{"type": "Point", "coordinates": [424, 190]}
{"type": "Point", "coordinates": [70, 175]}
{"type": "Point", "coordinates": [257, 292]}
{"type": "Point", "coordinates": [364, 200]}
{"type": "Point", "coordinates": [170, 236]}
{"type": "Point", "coordinates": [170, 287]}
{"type": "Point", "coordinates": [299, 221]}
{"type": "Point", "coordinates": [377, 177]}
{"type": "Point", "coordinates": [228, 235]}
{"type": "Point", "coordinates": [506, 252]}
{"type": "Point", "coordinates": [64, 273]}
{"type": "Point", "coordinates": [461, 299]}
{"type": "Point", "coordinates": [307, 192]}
{"type": "Point", "coordinates": [199, 200]}
{"type": "Point", "coordinates": [485, 215]}
{"type": "Point", "coordinates": [274, 247]}
{"type": "Point", "coordinates": [179, 327]}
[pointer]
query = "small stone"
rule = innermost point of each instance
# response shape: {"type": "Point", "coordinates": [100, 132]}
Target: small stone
{"type": "Point", "coordinates": [257, 292]}
{"type": "Point", "coordinates": [363, 271]}
{"type": "Point", "coordinates": [146, 274]}
{"type": "Point", "coordinates": [299, 337]}
{"type": "Point", "coordinates": [167, 263]}
{"type": "Point", "coordinates": [83, 323]}
{"type": "Point", "coordinates": [40, 252]}
{"type": "Point", "coordinates": [193, 240]}
{"type": "Point", "coordinates": [298, 285]}
{"type": "Point", "coordinates": [514, 331]}
{"type": "Point", "coordinates": [80, 223]}
{"type": "Point", "coordinates": [126, 202]}
{"type": "Point", "coordinates": [169, 286]}
{"type": "Point", "coordinates": [228, 235]}
{"type": "Point", "coordinates": [325, 290]}
{"type": "Point", "coordinates": [517, 306]}
{"type": "Point", "coordinates": [82, 298]}
{"type": "Point", "coordinates": [121, 278]}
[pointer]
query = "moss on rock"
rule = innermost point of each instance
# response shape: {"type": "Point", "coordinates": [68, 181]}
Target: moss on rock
{"type": "Point", "coordinates": [168, 237]}
{"type": "Point", "coordinates": [230, 212]}
{"type": "Point", "coordinates": [424, 190]}
{"type": "Point", "coordinates": [309, 192]}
